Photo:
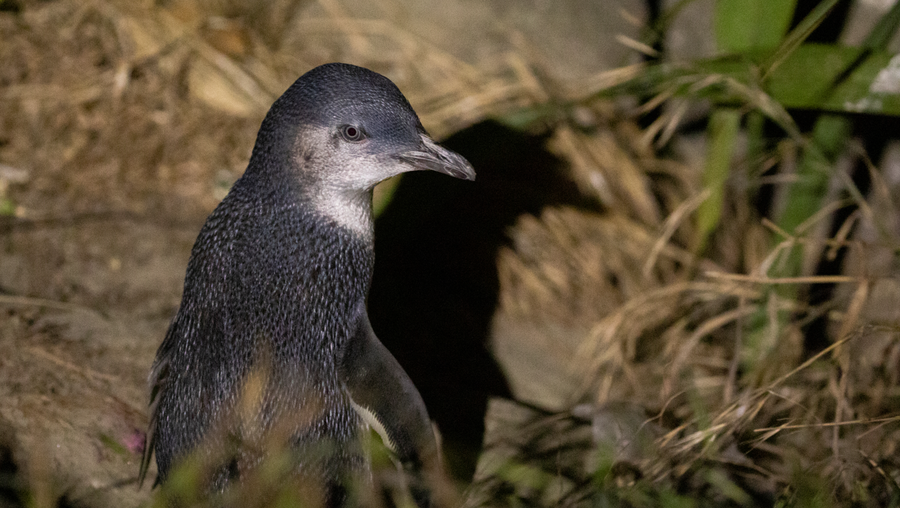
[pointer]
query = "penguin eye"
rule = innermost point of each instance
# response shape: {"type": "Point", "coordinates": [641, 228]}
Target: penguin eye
{"type": "Point", "coordinates": [352, 133]}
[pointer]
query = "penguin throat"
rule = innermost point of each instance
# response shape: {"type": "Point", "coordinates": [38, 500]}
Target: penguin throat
{"type": "Point", "coordinates": [349, 209]}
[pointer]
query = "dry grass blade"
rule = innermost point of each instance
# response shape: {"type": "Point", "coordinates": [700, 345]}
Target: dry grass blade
{"type": "Point", "coordinates": [671, 224]}
{"type": "Point", "coordinates": [886, 419]}
{"type": "Point", "coordinates": [637, 45]}
{"type": "Point", "coordinates": [817, 279]}
{"type": "Point", "coordinates": [600, 82]}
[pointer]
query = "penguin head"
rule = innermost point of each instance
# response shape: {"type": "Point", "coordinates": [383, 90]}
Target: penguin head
{"type": "Point", "coordinates": [342, 129]}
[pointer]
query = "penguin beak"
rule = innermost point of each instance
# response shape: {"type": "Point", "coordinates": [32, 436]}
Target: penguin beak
{"type": "Point", "coordinates": [429, 155]}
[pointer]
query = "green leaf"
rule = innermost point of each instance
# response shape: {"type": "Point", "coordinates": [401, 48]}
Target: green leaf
{"type": "Point", "coordinates": [833, 78]}
{"type": "Point", "coordinates": [7, 207]}
{"type": "Point", "coordinates": [799, 34]}
{"type": "Point", "coordinates": [113, 445]}
{"type": "Point", "coordinates": [823, 77]}
{"type": "Point", "coordinates": [805, 196]}
{"type": "Point", "coordinates": [744, 26]}
{"type": "Point", "coordinates": [722, 129]}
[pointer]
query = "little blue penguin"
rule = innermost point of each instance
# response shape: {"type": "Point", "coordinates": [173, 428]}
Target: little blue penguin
{"type": "Point", "coordinates": [272, 341]}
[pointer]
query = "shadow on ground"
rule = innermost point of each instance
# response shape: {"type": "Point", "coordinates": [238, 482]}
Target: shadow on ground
{"type": "Point", "coordinates": [435, 285]}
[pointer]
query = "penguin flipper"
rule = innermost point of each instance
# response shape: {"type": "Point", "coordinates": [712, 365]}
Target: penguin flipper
{"type": "Point", "coordinates": [385, 397]}
{"type": "Point", "coordinates": [158, 381]}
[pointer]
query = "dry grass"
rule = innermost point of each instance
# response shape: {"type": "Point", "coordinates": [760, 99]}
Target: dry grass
{"type": "Point", "coordinates": [707, 345]}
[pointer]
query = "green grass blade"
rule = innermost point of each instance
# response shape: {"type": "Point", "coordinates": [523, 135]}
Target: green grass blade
{"type": "Point", "coordinates": [798, 35]}
{"type": "Point", "coordinates": [884, 30]}
{"type": "Point", "coordinates": [722, 131]}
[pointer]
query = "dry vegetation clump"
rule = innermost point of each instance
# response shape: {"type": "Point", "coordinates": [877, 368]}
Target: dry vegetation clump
{"type": "Point", "coordinates": [120, 90]}
{"type": "Point", "coordinates": [688, 378]}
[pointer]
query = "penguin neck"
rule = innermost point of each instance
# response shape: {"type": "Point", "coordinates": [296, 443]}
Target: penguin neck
{"type": "Point", "coordinates": [348, 209]}
{"type": "Point", "coordinates": [311, 272]}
